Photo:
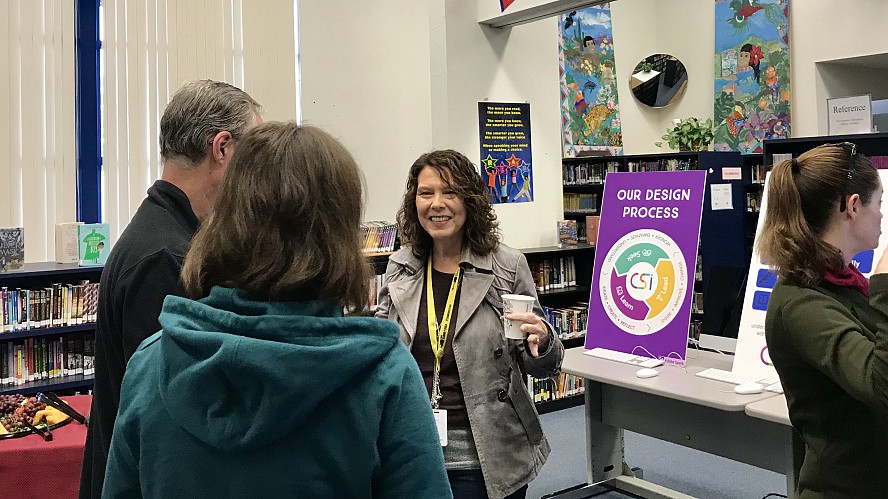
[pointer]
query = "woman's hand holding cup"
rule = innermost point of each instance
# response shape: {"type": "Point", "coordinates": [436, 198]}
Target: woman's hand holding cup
{"type": "Point", "coordinates": [522, 324]}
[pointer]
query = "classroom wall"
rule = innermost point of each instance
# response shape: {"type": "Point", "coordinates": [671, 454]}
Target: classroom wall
{"type": "Point", "coordinates": [518, 64]}
{"type": "Point", "coordinates": [421, 73]}
{"type": "Point", "coordinates": [366, 79]}
{"type": "Point", "coordinates": [823, 30]}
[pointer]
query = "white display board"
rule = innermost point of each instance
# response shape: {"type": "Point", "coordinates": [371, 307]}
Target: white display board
{"type": "Point", "coordinates": [751, 356]}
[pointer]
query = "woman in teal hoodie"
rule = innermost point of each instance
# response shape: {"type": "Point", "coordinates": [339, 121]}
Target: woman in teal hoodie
{"type": "Point", "coordinates": [258, 385]}
{"type": "Point", "coordinates": [826, 326]}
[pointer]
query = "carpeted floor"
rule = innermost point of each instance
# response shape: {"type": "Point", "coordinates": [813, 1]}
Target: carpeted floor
{"type": "Point", "coordinates": [685, 470]}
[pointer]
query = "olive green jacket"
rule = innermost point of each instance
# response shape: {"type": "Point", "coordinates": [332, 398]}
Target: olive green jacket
{"type": "Point", "coordinates": [829, 345]}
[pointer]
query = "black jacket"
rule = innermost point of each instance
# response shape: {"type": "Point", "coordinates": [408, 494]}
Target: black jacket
{"type": "Point", "coordinates": [142, 269]}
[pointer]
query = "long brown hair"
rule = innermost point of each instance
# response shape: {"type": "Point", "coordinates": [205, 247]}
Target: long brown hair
{"type": "Point", "coordinates": [286, 225]}
{"type": "Point", "coordinates": [804, 195]}
{"type": "Point", "coordinates": [480, 232]}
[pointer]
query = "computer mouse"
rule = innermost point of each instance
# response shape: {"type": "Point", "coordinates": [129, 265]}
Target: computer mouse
{"type": "Point", "coordinates": [748, 388]}
{"type": "Point", "coordinates": [646, 373]}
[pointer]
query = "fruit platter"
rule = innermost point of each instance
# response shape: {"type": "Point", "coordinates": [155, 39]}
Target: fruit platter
{"type": "Point", "coordinates": [21, 415]}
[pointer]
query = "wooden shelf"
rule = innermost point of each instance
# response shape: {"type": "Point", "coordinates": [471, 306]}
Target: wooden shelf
{"type": "Point", "coordinates": [580, 213]}
{"type": "Point", "coordinates": [49, 385]}
{"type": "Point", "coordinates": [559, 404]}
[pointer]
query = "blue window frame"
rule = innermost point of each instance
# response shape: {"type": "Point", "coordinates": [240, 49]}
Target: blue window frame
{"type": "Point", "coordinates": [88, 111]}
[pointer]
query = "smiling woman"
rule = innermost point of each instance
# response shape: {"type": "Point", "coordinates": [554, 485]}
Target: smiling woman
{"type": "Point", "coordinates": [440, 211]}
{"type": "Point", "coordinates": [445, 290]}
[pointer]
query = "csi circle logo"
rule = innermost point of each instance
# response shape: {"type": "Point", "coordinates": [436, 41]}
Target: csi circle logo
{"type": "Point", "coordinates": [766, 357]}
{"type": "Point", "coordinates": [643, 281]}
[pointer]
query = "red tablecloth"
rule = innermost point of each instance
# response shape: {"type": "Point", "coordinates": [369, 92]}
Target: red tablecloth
{"type": "Point", "coordinates": [30, 467]}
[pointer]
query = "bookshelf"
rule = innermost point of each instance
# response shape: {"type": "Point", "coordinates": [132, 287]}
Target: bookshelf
{"type": "Point", "coordinates": [44, 349]}
{"type": "Point", "coordinates": [873, 145]}
{"type": "Point", "coordinates": [563, 276]}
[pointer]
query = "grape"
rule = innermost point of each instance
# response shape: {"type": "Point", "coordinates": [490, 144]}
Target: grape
{"type": "Point", "coordinates": [13, 422]}
{"type": "Point", "coordinates": [32, 406]}
{"type": "Point", "coordinates": [9, 403]}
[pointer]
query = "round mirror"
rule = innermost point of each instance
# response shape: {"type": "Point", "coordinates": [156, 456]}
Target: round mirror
{"type": "Point", "coordinates": [658, 80]}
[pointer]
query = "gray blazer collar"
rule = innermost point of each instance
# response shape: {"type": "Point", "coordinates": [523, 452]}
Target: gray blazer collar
{"type": "Point", "coordinates": [469, 258]}
{"type": "Point", "coordinates": [407, 293]}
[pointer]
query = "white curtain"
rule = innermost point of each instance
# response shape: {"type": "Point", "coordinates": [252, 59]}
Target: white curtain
{"type": "Point", "coordinates": [37, 141]}
{"type": "Point", "coordinates": [151, 47]}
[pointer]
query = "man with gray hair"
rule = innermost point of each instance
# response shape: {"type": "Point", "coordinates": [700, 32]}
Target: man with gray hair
{"type": "Point", "coordinates": [198, 133]}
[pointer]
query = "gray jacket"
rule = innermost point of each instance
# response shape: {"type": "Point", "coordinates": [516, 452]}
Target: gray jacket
{"type": "Point", "coordinates": [502, 416]}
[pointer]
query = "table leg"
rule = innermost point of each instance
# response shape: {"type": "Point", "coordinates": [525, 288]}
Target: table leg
{"type": "Point", "coordinates": [604, 452]}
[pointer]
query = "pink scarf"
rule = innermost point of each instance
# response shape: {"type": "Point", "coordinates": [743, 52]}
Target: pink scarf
{"type": "Point", "coordinates": [849, 277]}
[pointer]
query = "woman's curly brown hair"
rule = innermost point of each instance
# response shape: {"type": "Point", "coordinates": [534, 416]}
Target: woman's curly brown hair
{"type": "Point", "coordinates": [481, 230]}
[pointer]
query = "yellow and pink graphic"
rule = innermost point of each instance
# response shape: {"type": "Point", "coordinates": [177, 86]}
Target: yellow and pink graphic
{"type": "Point", "coordinates": [639, 286]}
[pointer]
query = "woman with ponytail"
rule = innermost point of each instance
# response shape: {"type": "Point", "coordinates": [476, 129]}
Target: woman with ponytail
{"type": "Point", "coordinates": [827, 327]}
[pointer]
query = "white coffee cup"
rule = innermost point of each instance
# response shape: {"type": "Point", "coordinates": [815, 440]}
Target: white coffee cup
{"type": "Point", "coordinates": [515, 304]}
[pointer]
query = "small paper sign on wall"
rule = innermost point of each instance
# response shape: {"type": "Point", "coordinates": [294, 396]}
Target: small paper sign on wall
{"type": "Point", "coordinates": [849, 115]}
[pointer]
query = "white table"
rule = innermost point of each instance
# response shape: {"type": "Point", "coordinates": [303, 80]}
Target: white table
{"type": "Point", "coordinates": [675, 406]}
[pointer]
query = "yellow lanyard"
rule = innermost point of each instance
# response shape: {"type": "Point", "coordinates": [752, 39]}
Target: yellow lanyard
{"type": "Point", "coordinates": [438, 333]}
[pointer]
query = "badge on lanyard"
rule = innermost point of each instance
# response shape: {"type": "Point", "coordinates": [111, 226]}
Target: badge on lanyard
{"type": "Point", "coordinates": [441, 423]}
{"type": "Point", "coordinates": [438, 339]}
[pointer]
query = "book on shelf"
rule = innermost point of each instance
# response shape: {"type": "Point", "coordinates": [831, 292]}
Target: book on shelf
{"type": "Point", "coordinates": [567, 232]}
{"type": "Point", "coordinates": [67, 244]}
{"type": "Point", "coordinates": [568, 322]}
{"type": "Point", "coordinates": [554, 273]}
{"type": "Point", "coordinates": [43, 358]}
{"type": "Point", "coordinates": [12, 248]}
{"type": "Point", "coordinates": [379, 237]}
{"type": "Point", "coordinates": [581, 202]}
{"type": "Point", "coordinates": [592, 223]}
{"type": "Point", "coordinates": [53, 306]}
{"type": "Point", "coordinates": [587, 173]}
{"type": "Point", "coordinates": [757, 174]}
{"type": "Point", "coordinates": [89, 354]}
{"type": "Point", "coordinates": [94, 243]}
{"type": "Point", "coordinates": [554, 388]}
{"type": "Point", "coordinates": [777, 158]}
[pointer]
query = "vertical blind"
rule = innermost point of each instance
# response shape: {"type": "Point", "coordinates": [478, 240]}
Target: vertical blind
{"type": "Point", "coordinates": [151, 47]}
{"type": "Point", "coordinates": [37, 141]}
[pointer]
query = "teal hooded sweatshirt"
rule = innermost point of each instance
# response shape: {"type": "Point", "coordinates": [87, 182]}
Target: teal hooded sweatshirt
{"type": "Point", "coordinates": [242, 398]}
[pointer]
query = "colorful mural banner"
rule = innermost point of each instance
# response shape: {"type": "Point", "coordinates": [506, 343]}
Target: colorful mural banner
{"type": "Point", "coordinates": [506, 156]}
{"type": "Point", "coordinates": [752, 92]}
{"type": "Point", "coordinates": [643, 278]}
{"type": "Point", "coordinates": [590, 111]}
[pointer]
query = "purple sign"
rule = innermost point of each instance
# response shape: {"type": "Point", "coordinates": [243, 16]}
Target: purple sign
{"type": "Point", "coordinates": [643, 280]}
